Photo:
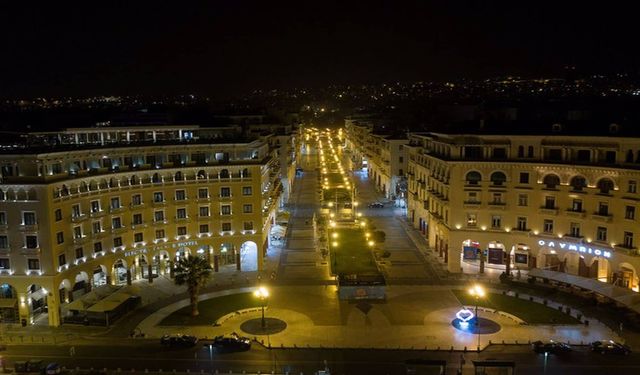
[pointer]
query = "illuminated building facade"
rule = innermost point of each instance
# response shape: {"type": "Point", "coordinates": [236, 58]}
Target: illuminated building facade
{"type": "Point", "coordinates": [83, 208]}
{"type": "Point", "coordinates": [556, 202]}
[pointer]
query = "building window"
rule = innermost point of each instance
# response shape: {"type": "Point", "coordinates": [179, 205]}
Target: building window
{"type": "Point", "coordinates": [159, 234]}
{"type": "Point", "coordinates": [472, 197]}
{"type": "Point", "coordinates": [31, 242]}
{"type": "Point", "coordinates": [225, 209]}
{"type": "Point", "coordinates": [472, 220]}
{"type": "Point", "coordinates": [76, 211]}
{"type": "Point", "coordinates": [29, 218]}
{"type": "Point", "coordinates": [524, 177]}
{"type": "Point", "coordinates": [158, 216]}
{"type": "Point", "coordinates": [182, 231]}
{"type": "Point", "coordinates": [115, 203]}
{"type": "Point", "coordinates": [473, 178]}
{"type": "Point", "coordinates": [225, 192]}
{"type": "Point", "coordinates": [116, 223]}
{"type": "Point", "coordinates": [158, 197]}
{"type": "Point", "coordinates": [247, 208]}
{"type": "Point", "coordinates": [137, 219]}
{"type": "Point", "coordinates": [226, 227]}
{"type": "Point", "coordinates": [181, 213]}
{"type": "Point", "coordinates": [204, 228]}
{"type": "Point", "coordinates": [496, 221]}
{"type": "Point", "coordinates": [79, 253]}
{"type": "Point", "coordinates": [523, 200]}
{"type": "Point", "coordinates": [578, 183]}
{"type": "Point", "coordinates": [628, 240]}
{"type": "Point", "coordinates": [95, 206]}
{"type": "Point", "coordinates": [496, 198]}
{"type": "Point", "coordinates": [601, 234]}
{"type": "Point", "coordinates": [77, 232]}
{"type": "Point", "coordinates": [60, 237]}
{"type": "Point", "coordinates": [138, 237]}
{"type": "Point", "coordinates": [574, 230]}
{"type": "Point", "coordinates": [605, 186]}
{"type": "Point", "coordinates": [4, 242]}
{"type": "Point", "coordinates": [576, 205]}
{"type": "Point", "coordinates": [248, 225]}
{"type": "Point", "coordinates": [203, 193]}
{"type": "Point", "coordinates": [246, 190]}
{"type": "Point", "coordinates": [603, 209]}
{"type": "Point", "coordinates": [180, 195]}
{"type": "Point", "coordinates": [632, 187]}
{"type": "Point", "coordinates": [97, 247]}
{"type": "Point", "coordinates": [33, 264]}
{"type": "Point", "coordinates": [58, 215]}
{"type": "Point", "coordinates": [136, 199]}
{"type": "Point", "coordinates": [551, 181]}
{"type": "Point", "coordinates": [550, 202]}
{"type": "Point", "coordinates": [62, 260]}
{"type": "Point", "coordinates": [97, 228]}
{"type": "Point", "coordinates": [204, 211]}
{"type": "Point", "coordinates": [522, 223]}
{"type": "Point", "coordinates": [5, 264]}
{"type": "Point", "coordinates": [548, 226]}
{"type": "Point", "coordinates": [117, 242]}
{"type": "Point", "coordinates": [630, 213]}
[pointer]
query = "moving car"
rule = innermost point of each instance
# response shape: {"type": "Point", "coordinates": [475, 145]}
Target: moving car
{"type": "Point", "coordinates": [376, 205]}
{"type": "Point", "coordinates": [550, 346]}
{"type": "Point", "coordinates": [179, 340]}
{"type": "Point", "coordinates": [231, 342]}
{"type": "Point", "coordinates": [610, 347]}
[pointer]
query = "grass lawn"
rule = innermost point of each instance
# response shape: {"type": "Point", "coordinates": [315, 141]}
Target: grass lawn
{"type": "Point", "coordinates": [211, 310]}
{"type": "Point", "coordinates": [334, 178]}
{"type": "Point", "coordinates": [530, 312]}
{"type": "Point", "coordinates": [352, 255]}
{"type": "Point", "coordinates": [329, 195]}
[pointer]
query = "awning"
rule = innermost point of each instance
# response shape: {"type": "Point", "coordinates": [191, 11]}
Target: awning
{"type": "Point", "coordinates": [8, 302]}
{"type": "Point", "coordinates": [110, 303]}
{"type": "Point", "coordinates": [624, 296]}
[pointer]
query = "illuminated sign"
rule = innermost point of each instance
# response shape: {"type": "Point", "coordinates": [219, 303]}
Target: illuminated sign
{"type": "Point", "coordinates": [465, 315]}
{"type": "Point", "coordinates": [575, 247]}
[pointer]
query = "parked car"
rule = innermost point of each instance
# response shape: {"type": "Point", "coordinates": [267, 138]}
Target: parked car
{"type": "Point", "coordinates": [179, 340]}
{"type": "Point", "coordinates": [610, 347]}
{"type": "Point", "coordinates": [376, 205]}
{"type": "Point", "coordinates": [551, 347]}
{"type": "Point", "coordinates": [231, 342]}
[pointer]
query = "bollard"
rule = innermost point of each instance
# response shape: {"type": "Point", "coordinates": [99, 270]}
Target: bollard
{"type": "Point", "coordinates": [119, 369]}
{"type": "Point", "coordinates": [188, 371]}
{"type": "Point", "coordinates": [146, 371]}
{"type": "Point", "coordinates": [465, 349]}
{"type": "Point", "coordinates": [133, 370]}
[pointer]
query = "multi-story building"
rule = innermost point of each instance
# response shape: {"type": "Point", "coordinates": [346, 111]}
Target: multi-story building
{"type": "Point", "coordinates": [382, 154]}
{"type": "Point", "coordinates": [87, 207]}
{"type": "Point", "coordinates": [566, 202]}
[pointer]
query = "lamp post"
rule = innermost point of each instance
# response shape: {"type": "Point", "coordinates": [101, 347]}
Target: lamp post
{"type": "Point", "coordinates": [262, 293]}
{"type": "Point", "coordinates": [477, 291]}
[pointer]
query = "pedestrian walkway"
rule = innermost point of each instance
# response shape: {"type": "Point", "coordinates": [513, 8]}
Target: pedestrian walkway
{"type": "Point", "coordinates": [413, 317]}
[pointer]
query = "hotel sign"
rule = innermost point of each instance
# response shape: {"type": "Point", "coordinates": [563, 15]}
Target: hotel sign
{"type": "Point", "coordinates": [578, 247]}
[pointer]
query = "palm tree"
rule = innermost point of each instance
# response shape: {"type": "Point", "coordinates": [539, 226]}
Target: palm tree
{"type": "Point", "coordinates": [194, 272]}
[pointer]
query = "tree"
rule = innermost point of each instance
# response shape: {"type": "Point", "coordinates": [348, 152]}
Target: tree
{"type": "Point", "coordinates": [194, 272]}
{"type": "Point", "coordinates": [379, 236]}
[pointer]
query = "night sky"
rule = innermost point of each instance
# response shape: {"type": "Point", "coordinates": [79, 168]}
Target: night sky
{"type": "Point", "coordinates": [229, 47]}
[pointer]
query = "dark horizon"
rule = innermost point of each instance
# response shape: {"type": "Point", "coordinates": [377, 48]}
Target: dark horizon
{"type": "Point", "coordinates": [228, 48]}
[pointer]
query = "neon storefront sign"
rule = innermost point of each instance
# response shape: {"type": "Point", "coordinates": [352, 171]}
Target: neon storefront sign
{"type": "Point", "coordinates": [575, 247]}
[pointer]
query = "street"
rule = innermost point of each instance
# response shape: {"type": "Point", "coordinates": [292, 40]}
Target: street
{"type": "Point", "coordinates": [148, 354]}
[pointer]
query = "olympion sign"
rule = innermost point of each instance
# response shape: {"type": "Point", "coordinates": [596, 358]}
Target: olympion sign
{"type": "Point", "coordinates": [575, 247]}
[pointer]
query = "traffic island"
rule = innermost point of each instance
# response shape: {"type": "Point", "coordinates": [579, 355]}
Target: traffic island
{"type": "Point", "coordinates": [271, 326]}
{"type": "Point", "coordinates": [476, 326]}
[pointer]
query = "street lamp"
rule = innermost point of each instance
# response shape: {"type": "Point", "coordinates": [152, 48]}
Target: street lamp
{"type": "Point", "coordinates": [263, 294]}
{"type": "Point", "coordinates": [478, 292]}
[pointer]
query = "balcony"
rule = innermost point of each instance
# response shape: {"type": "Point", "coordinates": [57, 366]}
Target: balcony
{"type": "Point", "coordinates": [138, 206]}
{"type": "Point", "coordinates": [119, 229]}
{"type": "Point", "coordinates": [603, 217]}
{"type": "Point", "coordinates": [138, 225]}
{"type": "Point", "coordinates": [115, 210]}
{"type": "Point", "coordinates": [160, 222]}
{"type": "Point", "coordinates": [29, 227]}
{"type": "Point", "coordinates": [159, 203]}
{"type": "Point", "coordinates": [548, 210]}
{"type": "Point", "coordinates": [498, 205]}
{"type": "Point", "coordinates": [471, 204]}
{"type": "Point", "coordinates": [627, 249]}
{"type": "Point", "coordinates": [185, 219]}
{"type": "Point", "coordinates": [78, 218]}
{"type": "Point", "coordinates": [575, 213]}
{"type": "Point", "coordinates": [98, 213]}
{"type": "Point", "coordinates": [80, 240]}
{"type": "Point", "coordinates": [225, 197]}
